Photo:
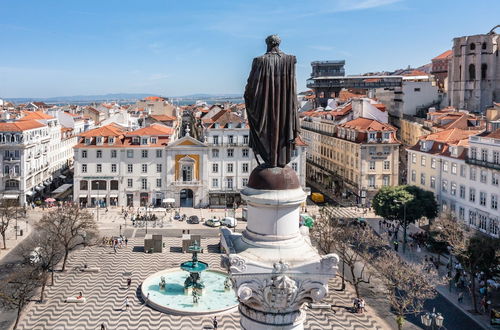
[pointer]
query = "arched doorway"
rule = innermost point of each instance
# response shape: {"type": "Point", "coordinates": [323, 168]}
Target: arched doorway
{"type": "Point", "coordinates": [186, 198]}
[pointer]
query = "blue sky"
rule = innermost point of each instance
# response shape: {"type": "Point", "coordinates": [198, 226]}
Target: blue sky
{"type": "Point", "coordinates": [57, 48]}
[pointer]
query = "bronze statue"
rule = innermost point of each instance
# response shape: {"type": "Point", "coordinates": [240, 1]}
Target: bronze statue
{"type": "Point", "coordinates": [271, 105]}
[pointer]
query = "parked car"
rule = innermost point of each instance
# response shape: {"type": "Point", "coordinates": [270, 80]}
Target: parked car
{"type": "Point", "coordinates": [213, 223]}
{"type": "Point", "coordinates": [193, 219]}
{"type": "Point", "coordinates": [229, 222]}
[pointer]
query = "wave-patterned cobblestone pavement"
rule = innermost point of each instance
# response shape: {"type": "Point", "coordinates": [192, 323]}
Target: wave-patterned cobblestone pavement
{"type": "Point", "coordinates": [106, 292]}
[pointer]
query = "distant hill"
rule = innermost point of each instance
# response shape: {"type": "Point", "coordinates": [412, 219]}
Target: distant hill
{"type": "Point", "coordinates": [123, 97]}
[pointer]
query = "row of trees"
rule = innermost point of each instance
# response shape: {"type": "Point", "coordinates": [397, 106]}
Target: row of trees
{"type": "Point", "coordinates": [364, 253]}
{"type": "Point", "coordinates": [55, 236]}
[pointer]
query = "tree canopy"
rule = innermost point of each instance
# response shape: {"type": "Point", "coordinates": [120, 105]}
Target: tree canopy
{"type": "Point", "coordinates": [389, 202]}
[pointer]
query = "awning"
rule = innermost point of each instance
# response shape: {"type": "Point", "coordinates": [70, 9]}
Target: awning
{"type": "Point", "coordinates": [113, 196]}
{"type": "Point", "coordinates": [62, 188]}
{"type": "Point", "coordinates": [83, 196]}
{"type": "Point", "coordinates": [10, 196]}
{"type": "Point", "coordinates": [29, 193]}
{"type": "Point", "coordinates": [169, 200]}
{"type": "Point", "coordinates": [97, 196]}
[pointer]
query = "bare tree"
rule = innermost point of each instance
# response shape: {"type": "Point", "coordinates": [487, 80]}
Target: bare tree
{"type": "Point", "coordinates": [18, 289]}
{"type": "Point", "coordinates": [69, 227]}
{"type": "Point", "coordinates": [43, 253]}
{"type": "Point", "coordinates": [407, 285]}
{"type": "Point", "coordinates": [356, 244]}
{"type": "Point", "coordinates": [8, 213]}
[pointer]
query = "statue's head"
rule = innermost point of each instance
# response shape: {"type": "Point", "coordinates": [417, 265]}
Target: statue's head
{"type": "Point", "coordinates": [272, 41]}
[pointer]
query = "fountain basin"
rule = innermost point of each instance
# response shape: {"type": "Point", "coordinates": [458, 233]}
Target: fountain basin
{"type": "Point", "coordinates": [173, 300]}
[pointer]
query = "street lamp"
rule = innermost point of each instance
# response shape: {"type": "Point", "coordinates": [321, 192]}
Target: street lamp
{"type": "Point", "coordinates": [432, 320]}
{"type": "Point", "coordinates": [404, 223]}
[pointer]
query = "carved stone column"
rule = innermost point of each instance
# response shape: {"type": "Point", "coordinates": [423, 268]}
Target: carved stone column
{"type": "Point", "coordinates": [274, 268]}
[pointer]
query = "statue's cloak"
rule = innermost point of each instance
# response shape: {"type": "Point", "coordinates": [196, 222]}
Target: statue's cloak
{"type": "Point", "coordinates": [271, 105]}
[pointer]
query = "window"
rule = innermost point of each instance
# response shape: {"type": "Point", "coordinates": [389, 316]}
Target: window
{"type": "Point", "coordinates": [484, 69]}
{"type": "Point", "coordinates": [144, 153]}
{"type": "Point", "coordinates": [494, 202]}
{"type": "Point", "coordinates": [472, 46]}
{"type": "Point", "coordinates": [244, 167]}
{"type": "Point", "coordinates": [371, 181]}
{"type": "Point", "coordinates": [496, 157]}
{"type": "Point", "coordinates": [130, 168]}
{"type": "Point", "coordinates": [484, 155]}
{"type": "Point", "coordinates": [445, 166]}
{"type": "Point", "coordinates": [453, 189]}
{"type": "Point", "coordinates": [144, 168]}
{"type": "Point", "coordinates": [494, 179]}
{"type": "Point", "coordinates": [385, 180]}
{"type": "Point", "coordinates": [130, 153]}
{"type": "Point", "coordinates": [462, 191]}
{"type": "Point", "coordinates": [386, 136]}
{"type": "Point", "coordinates": [154, 140]}
{"type": "Point", "coordinates": [245, 139]}
{"type": "Point", "coordinates": [444, 186]}
{"type": "Point", "coordinates": [230, 168]}
{"type": "Point", "coordinates": [422, 160]}
{"type": "Point", "coordinates": [472, 218]}
{"type": "Point", "coordinates": [461, 213]}
{"type": "Point", "coordinates": [215, 139]}
{"type": "Point", "coordinates": [413, 175]}
{"type": "Point", "coordinates": [472, 195]}
{"type": "Point", "coordinates": [111, 140]}
{"type": "Point", "coordinates": [482, 198]}
{"type": "Point", "coordinates": [453, 168]}
{"type": "Point", "coordinates": [230, 139]}
{"type": "Point", "coordinates": [230, 152]}
{"type": "Point", "coordinates": [84, 168]}
{"type": "Point", "coordinates": [84, 153]}
{"type": "Point", "coordinates": [113, 153]}
{"type": "Point", "coordinates": [371, 165]}
{"type": "Point", "coordinates": [414, 158]}
{"type": "Point", "coordinates": [244, 152]}
{"type": "Point", "coordinates": [98, 168]}
{"type": "Point", "coordinates": [473, 153]}
{"type": "Point", "coordinates": [416, 89]}
{"type": "Point", "coordinates": [113, 168]}
{"type": "Point", "coordinates": [215, 153]}
{"type": "Point", "coordinates": [493, 226]}
{"type": "Point", "coordinates": [84, 185]}
{"type": "Point", "coordinates": [294, 166]}
{"type": "Point", "coordinates": [483, 176]}
{"type": "Point", "coordinates": [113, 185]}
{"type": "Point", "coordinates": [433, 162]}
{"type": "Point", "coordinates": [158, 168]}
{"type": "Point", "coordinates": [129, 183]}
{"type": "Point", "coordinates": [144, 140]}
{"type": "Point", "coordinates": [135, 140]}
{"type": "Point", "coordinates": [158, 183]}
{"type": "Point", "coordinates": [295, 152]}
{"type": "Point", "coordinates": [215, 183]}
{"type": "Point", "coordinates": [159, 153]}
{"type": "Point", "coordinates": [215, 168]}
{"type": "Point", "coordinates": [472, 72]}
{"type": "Point", "coordinates": [463, 170]}
{"type": "Point", "coordinates": [433, 182]}
{"type": "Point", "coordinates": [482, 221]}
{"type": "Point", "coordinates": [98, 140]}
{"type": "Point", "coordinates": [244, 182]}
{"type": "Point", "coordinates": [229, 183]}
{"type": "Point", "coordinates": [372, 150]}
{"type": "Point", "coordinates": [472, 174]}
{"type": "Point", "coordinates": [99, 154]}
{"type": "Point", "coordinates": [387, 150]}
{"type": "Point", "coordinates": [483, 46]}
{"type": "Point", "coordinates": [387, 164]}
{"type": "Point", "coordinates": [372, 136]}
{"type": "Point", "coordinates": [422, 178]}
{"type": "Point", "coordinates": [144, 183]}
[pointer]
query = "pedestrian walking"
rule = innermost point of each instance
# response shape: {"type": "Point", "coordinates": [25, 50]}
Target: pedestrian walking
{"type": "Point", "coordinates": [460, 297]}
{"type": "Point", "coordinates": [215, 323]}
{"type": "Point", "coordinates": [129, 282]}
{"type": "Point", "coordinates": [103, 327]}
{"type": "Point", "coordinates": [114, 246]}
{"type": "Point", "coordinates": [396, 246]}
{"type": "Point", "coordinates": [126, 303]}
{"type": "Point", "coordinates": [126, 241]}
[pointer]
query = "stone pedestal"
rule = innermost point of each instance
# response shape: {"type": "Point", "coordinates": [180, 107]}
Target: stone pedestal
{"type": "Point", "coordinates": [274, 268]}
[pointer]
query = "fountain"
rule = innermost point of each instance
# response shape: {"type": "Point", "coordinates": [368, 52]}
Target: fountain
{"type": "Point", "coordinates": [202, 292]}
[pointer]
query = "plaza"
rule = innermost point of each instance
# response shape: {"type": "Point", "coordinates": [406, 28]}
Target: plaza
{"type": "Point", "coordinates": [105, 291]}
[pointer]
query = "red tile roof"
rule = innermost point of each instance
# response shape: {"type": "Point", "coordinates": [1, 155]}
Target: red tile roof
{"type": "Point", "coordinates": [444, 55]}
{"type": "Point", "coordinates": [19, 126]}
{"type": "Point", "coordinates": [154, 98]}
{"type": "Point", "coordinates": [152, 130]}
{"type": "Point", "coordinates": [163, 117]}
{"type": "Point", "coordinates": [31, 115]}
{"type": "Point", "coordinates": [365, 124]}
{"type": "Point", "coordinates": [108, 130]}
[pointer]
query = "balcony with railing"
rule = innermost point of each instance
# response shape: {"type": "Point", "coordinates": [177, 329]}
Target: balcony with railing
{"type": "Point", "coordinates": [483, 163]}
{"type": "Point", "coordinates": [192, 183]}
